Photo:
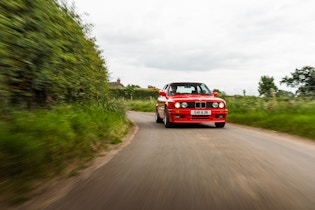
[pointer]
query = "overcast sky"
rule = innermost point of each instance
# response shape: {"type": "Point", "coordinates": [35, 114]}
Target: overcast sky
{"type": "Point", "coordinates": [226, 44]}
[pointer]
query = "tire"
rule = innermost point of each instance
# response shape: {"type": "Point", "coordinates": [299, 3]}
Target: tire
{"type": "Point", "coordinates": [219, 125]}
{"type": "Point", "coordinates": [167, 122]}
{"type": "Point", "coordinates": [157, 117]}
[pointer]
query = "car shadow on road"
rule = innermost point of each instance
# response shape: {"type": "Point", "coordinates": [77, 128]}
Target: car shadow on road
{"type": "Point", "coordinates": [193, 126]}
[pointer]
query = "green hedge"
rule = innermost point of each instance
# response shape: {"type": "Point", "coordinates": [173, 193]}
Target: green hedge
{"type": "Point", "coordinates": [136, 94]}
{"type": "Point", "coordinates": [47, 56]}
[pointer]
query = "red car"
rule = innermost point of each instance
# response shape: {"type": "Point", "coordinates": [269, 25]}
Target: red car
{"type": "Point", "coordinates": [189, 102]}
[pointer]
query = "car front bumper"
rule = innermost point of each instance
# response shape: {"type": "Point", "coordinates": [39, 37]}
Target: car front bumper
{"type": "Point", "coordinates": [184, 116]}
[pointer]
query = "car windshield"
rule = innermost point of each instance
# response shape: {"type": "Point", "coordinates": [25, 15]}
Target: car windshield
{"type": "Point", "coordinates": [189, 88]}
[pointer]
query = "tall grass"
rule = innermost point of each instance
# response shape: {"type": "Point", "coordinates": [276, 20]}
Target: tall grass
{"type": "Point", "coordinates": [290, 115]}
{"type": "Point", "coordinates": [142, 105]}
{"type": "Point", "coordinates": [42, 143]}
{"type": "Point", "coordinates": [294, 116]}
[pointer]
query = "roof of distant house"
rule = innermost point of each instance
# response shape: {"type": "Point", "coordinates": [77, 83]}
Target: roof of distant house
{"type": "Point", "coordinates": [116, 84]}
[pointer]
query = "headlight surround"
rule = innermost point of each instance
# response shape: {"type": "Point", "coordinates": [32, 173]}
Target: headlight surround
{"type": "Point", "coordinates": [221, 105]}
{"type": "Point", "coordinates": [177, 105]}
{"type": "Point", "coordinates": [218, 104]}
{"type": "Point", "coordinates": [215, 104]}
{"type": "Point", "coordinates": [184, 105]}
{"type": "Point", "coordinates": [181, 105]}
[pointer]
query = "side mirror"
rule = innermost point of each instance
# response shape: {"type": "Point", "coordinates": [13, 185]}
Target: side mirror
{"type": "Point", "coordinates": [162, 93]}
{"type": "Point", "coordinates": [215, 94]}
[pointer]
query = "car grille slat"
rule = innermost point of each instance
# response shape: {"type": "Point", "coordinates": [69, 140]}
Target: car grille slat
{"type": "Point", "coordinates": [198, 105]}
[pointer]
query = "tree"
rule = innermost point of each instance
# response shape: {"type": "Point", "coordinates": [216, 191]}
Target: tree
{"type": "Point", "coordinates": [130, 89]}
{"type": "Point", "coordinates": [219, 91]}
{"type": "Point", "coordinates": [303, 79]}
{"type": "Point", "coordinates": [267, 86]}
{"type": "Point", "coordinates": [284, 93]}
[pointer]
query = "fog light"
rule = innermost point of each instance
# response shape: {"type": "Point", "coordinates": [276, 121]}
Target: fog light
{"type": "Point", "coordinates": [177, 116]}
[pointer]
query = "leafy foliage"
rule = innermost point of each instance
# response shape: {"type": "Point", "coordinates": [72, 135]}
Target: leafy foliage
{"type": "Point", "coordinates": [284, 94]}
{"type": "Point", "coordinates": [219, 92]}
{"type": "Point", "coordinates": [45, 55]}
{"type": "Point", "coordinates": [267, 86]}
{"type": "Point", "coordinates": [303, 79]}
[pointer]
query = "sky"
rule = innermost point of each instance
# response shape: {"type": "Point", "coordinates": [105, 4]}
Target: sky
{"type": "Point", "coordinates": [228, 45]}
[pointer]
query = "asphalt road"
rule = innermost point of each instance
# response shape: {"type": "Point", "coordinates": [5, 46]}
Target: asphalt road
{"type": "Point", "coordinates": [200, 167]}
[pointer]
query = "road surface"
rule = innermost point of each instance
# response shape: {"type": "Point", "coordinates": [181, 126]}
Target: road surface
{"type": "Point", "coordinates": [200, 167]}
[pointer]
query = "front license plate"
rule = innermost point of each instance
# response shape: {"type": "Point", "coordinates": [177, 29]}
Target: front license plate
{"type": "Point", "coordinates": [200, 112]}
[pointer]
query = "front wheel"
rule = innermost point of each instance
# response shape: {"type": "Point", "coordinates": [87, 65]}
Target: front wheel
{"type": "Point", "coordinates": [167, 122]}
{"type": "Point", "coordinates": [219, 125]}
{"type": "Point", "coordinates": [157, 117]}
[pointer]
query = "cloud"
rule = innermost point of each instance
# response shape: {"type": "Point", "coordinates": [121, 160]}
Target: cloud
{"type": "Point", "coordinates": [216, 39]}
{"type": "Point", "coordinates": [199, 59]}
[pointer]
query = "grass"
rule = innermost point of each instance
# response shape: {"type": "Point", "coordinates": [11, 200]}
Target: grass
{"type": "Point", "coordinates": [293, 116]}
{"type": "Point", "coordinates": [36, 145]}
{"type": "Point", "coordinates": [142, 105]}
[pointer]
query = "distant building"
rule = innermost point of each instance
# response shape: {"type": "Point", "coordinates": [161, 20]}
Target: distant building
{"type": "Point", "coordinates": [116, 84]}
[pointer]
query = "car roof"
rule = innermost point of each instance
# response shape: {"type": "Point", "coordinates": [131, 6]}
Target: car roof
{"type": "Point", "coordinates": [177, 83]}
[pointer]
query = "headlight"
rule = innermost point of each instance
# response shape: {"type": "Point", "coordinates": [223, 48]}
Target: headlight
{"type": "Point", "coordinates": [215, 104]}
{"type": "Point", "coordinates": [184, 105]}
{"type": "Point", "coordinates": [221, 105]}
{"type": "Point", "coordinates": [177, 105]}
